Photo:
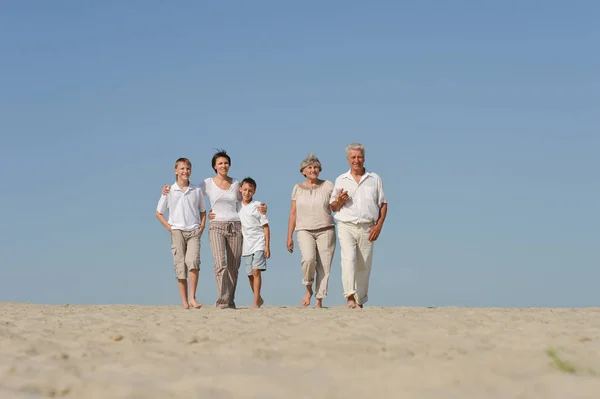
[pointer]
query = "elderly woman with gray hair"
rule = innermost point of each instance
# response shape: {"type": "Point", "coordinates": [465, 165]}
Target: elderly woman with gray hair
{"type": "Point", "coordinates": [311, 219]}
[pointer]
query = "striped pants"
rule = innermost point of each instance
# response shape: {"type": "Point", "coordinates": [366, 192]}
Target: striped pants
{"type": "Point", "coordinates": [226, 246]}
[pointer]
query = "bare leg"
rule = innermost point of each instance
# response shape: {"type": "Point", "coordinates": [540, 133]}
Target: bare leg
{"type": "Point", "coordinates": [193, 285]}
{"type": "Point", "coordinates": [309, 293]}
{"type": "Point", "coordinates": [319, 303]}
{"type": "Point", "coordinates": [183, 291]}
{"type": "Point", "coordinates": [256, 286]}
{"type": "Point", "coordinates": [251, 281]}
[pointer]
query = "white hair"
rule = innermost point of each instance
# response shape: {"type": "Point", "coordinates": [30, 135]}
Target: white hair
{"type": "Point", "coordinates": [355, 147]}
{"type": "Point", "coordinates": [309, 160]}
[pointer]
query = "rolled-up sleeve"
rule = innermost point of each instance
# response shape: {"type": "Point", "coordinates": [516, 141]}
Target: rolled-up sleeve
{"type": "Point", "coordinates": [380, 193]}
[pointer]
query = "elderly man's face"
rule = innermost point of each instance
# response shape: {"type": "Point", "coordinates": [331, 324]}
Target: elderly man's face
{"type": "Point", "coordinates": [356, 159]}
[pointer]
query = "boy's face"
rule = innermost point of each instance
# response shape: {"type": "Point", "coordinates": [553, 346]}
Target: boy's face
{"type": "Point", "coordinates": [247, 191]}
{"type": "Point", "coordinates": [183, 171]}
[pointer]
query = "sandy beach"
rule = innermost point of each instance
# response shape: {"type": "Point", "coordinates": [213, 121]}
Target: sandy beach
{"type": "Point", "coordinates": [125, 351]}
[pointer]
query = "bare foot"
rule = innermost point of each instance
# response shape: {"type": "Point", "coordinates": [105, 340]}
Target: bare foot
{"type": "Point", "coordinates": [319, 303]}
{"type": "Point", "coordinates": [351, 302]}
{"type": "Point", "coordinates": [259, 303]}
{"type": "Point", "coordinates": [194, 304]}
{"type": "Point", "coordinates": [306, 300]}
{"type": "Point", "coordinates": [185, 305]}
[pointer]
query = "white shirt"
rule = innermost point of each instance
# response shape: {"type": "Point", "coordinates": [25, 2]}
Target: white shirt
{"type": "Point", "coordinates": [224, 203]}
{"type": "Point", "coordinates": [366, 198]}
{"type": "Point", "coordinates": [184, 207]}
{"type": "Point", "coordinates": [252, 228]}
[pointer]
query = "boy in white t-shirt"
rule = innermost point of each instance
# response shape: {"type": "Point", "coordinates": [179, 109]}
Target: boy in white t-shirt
{"type": "Point", "coordinates": [187, 218]}
{"type": "Point", "coordinates": [257, 237]}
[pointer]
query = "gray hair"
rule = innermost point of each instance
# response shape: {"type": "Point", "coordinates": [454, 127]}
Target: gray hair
{"type": "Point", "coordinates": [310, 159]}
{"type": "Point", "coordinates": [355, 147]}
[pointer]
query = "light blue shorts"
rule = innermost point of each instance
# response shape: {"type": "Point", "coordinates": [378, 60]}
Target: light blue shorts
{"type": "Point", "coordinates": [256, 261]}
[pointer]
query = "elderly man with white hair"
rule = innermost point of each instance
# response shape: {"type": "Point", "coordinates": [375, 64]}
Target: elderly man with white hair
{"type": "Point", "coordinates": [361, 207]}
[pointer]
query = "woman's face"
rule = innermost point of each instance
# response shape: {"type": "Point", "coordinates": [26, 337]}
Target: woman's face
{"type": "Point", "coordinates": [222, 166]}
{"type": "Point", "coordinates": [312, 171]}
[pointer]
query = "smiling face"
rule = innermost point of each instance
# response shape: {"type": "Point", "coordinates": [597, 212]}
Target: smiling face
{"type": "Point", "coordinates": [356, 159]}
{"type": "Point", "coordinates": [183, 171]}
{"type": "Point", "coordinates": [247, 191]}
{"type": "Point", "coordinates": [312, 171]}
{"type": "Point", "coordinates": [221, 166]}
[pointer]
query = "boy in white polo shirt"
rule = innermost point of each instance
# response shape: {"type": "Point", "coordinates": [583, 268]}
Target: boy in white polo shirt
{"type": "Point", "coordinates": [257, 237]}
{"type": "Point", "coordinates": [187, 218]}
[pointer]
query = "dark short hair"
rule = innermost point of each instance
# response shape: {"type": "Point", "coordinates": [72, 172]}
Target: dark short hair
{"type": "Point", "coordinates": [220, 154]}
{"type": "Point", "coordinates": [249, 181]}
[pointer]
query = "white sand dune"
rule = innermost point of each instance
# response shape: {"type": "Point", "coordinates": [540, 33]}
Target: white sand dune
{"type": "Point", "coordinates": [122, 351]}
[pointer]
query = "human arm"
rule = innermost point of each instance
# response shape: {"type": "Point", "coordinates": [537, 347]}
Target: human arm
{"type": "Point", "coordinates": [202, 222]}
{"type": "Point", "coordinates": [341, 197]}
{"type": "Point", "coordinates": [267, 231]}
{"type": "Point", "coordinates": [161, 208]}
{"type": "Point", "coordinates": [202, 209]}
{"type": "Point", "coordinates": [291, 227]}
{"type": "Point", "coordinates": [376, 229]}
{"type": "Point", "coordinates": [163, 221]}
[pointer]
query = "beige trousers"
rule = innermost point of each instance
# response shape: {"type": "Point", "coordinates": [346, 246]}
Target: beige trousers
{"type": "Point", "coordinates": [357, 256]}
{"type": "Point", "coordinates": [317, 248]}
{"type": "Point", "coordinates": [185, 246]}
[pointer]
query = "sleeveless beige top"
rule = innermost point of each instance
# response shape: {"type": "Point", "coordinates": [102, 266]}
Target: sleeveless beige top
{"type": "Point", "coordinates": [312, 206]}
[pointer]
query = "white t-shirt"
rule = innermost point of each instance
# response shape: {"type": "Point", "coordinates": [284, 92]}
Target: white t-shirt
{"type": "Point", "coordinates": [224, 203]}
{"type": "Point", "coordinates": [184, 207]}
{"type": "Point", "coordinates": [252, 228]}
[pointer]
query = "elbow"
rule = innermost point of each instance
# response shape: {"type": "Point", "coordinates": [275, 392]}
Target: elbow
{"type": "Point", "coordinates": [292, 218]}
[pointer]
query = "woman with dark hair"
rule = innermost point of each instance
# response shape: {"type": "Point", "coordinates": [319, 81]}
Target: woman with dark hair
{"type": "Point", "coordinates": [225, 231]}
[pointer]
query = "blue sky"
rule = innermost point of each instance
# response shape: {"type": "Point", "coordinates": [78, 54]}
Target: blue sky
{"type": "Point", "coordinates": [481, 117]}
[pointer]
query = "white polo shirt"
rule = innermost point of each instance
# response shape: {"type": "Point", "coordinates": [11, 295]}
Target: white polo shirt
{"type": "Point", "coordinates": [252, 228]}
{"type": "Point", "coordinates": [366, 198]}
{"type": "Point", "coordinates": [184, 207]}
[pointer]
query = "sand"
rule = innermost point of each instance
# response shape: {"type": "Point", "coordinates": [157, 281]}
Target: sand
{"type": "Point", "coordinates": [125, 351]}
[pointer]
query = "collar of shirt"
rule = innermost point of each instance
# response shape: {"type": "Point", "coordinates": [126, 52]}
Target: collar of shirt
{"type": "Point", "coordinates": [175, 187]}
{"type": "Point", "coordinates": [348, 175]}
